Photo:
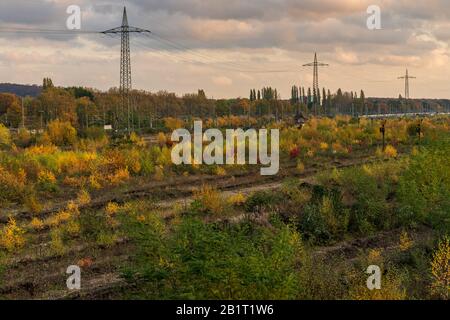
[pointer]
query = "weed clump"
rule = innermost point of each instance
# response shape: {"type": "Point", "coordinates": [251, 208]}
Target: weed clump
{"type": "Point", "coordinates": [12, 236]}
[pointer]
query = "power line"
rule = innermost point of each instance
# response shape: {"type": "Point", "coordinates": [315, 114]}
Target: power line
{"type": "Point", "coordinates": [161, 52]}
{"type": "Point", "coordinates": [184, 48]}
{"type": "Point", "coordinates": [46, 31]}
{"type": "Point", "coordinates": [189, 58]}
{"type": "Point", "coordinates": [193, 56]}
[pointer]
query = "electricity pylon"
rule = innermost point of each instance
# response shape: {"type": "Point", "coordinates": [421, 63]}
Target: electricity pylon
{"type": "Point", "coordinates": [407, 77]}
{"type": "Point", "coordinates": [315, 65]}
{"type": "Point", "coordinates": [125, 61]}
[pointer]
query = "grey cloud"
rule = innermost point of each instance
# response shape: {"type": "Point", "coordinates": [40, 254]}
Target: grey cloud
{"type": "Point", "coordinates": [297, 27]}
{"type": "Point", "coordinates": [23, 12]}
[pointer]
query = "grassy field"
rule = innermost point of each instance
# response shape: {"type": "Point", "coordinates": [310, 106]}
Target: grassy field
{"type": "Point", "coordinates": [141, 227]}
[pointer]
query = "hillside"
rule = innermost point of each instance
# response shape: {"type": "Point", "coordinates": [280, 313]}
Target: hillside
{"type": "Point", "coordinates": [20, 89]}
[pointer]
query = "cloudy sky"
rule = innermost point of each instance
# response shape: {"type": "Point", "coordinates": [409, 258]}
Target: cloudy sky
{"type": "Point", "coordinates": [229, 46]}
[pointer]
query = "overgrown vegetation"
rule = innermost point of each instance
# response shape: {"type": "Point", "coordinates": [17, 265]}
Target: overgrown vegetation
{"type": "Point", "coordinates": [291, 242]}
{"type": "Point", "coordinates": [194, 258]}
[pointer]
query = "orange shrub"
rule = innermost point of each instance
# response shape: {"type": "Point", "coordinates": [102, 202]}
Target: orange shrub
{"type": "Point", "coordinates": [173, 123]}
{"type": "Point", "coordinates": [11, 237]}
{"type": "Point", "coordinates": [120, 176]}
{"type": "Point", "coordinates": [237, 199]}
{"type": "Point", "coordinates": [61, 133]}
{"type": "Point", "coordinates": [133, 161]}
{"type": "Point", "coordinates": [112, 208]}
{"type": "Point", "coordinates": [94, 182]}
{"type": "Point", "coordinates": [12, 186]}
{"type": "Point", "coordinates": [33, 204]}
{"type": "Point", "coordinates": [83, 198]}
{"type": "Point", "coordinates": [41, 150]}
{"type": "Point", "coordinates": [37, 224]}
{"type": "Point", "coordinates": [210, 201]}
{"type": "Point", "coordinates": [162, 139]}
{"type": "Point", "coordinates": [390, 152]}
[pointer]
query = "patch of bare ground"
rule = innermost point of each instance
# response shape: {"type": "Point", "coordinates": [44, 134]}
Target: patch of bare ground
{"type": "Point", "coordinates": [387, 241]}
{"type": "Point", "coordinates": [37, 277]}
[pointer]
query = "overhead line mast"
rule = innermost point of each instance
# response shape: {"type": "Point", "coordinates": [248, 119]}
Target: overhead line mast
{"type": "Point", "coordinates": [407, 77]}
{"type": "Point", "coordinates": [125, 63]}
{"type": "Point", "coordinates": [315, 65]}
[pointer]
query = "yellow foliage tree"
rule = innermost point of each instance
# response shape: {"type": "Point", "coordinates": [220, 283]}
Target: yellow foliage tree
{"type": "Point", "coordinates": [61, 133]}
{"type": "Point", "coordinates": [5, 136]}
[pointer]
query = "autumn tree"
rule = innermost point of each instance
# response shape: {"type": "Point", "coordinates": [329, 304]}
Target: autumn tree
{"type": "Point", "coordinates": [60, 133]}
{"type": "Point", "coordinates": [10, 109]}
{"type": "Point", "coordinates": [57, 103]}
{"type": "Point", "coordinates": [310, 99]}
{"type": "Point", "coordinates": [47, 83]}
{"type": "Point", "coordinates": [324, 97]}
{"type": "Point", "coordinates": [86, 111]}
{"type": "Point", "coordinates": [362, 101]}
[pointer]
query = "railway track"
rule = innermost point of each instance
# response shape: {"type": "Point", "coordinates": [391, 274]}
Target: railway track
{"type": "Point", "coordinates": [177, 187]}
{"type": "Point", "coordinates": [46, 276]}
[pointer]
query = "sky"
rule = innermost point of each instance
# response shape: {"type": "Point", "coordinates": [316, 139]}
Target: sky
{"type": "Point", "coordinates": [227, 47]}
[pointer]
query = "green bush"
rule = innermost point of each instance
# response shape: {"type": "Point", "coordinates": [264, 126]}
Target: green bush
{"type": "Point", "coordinates": [367, 197]}
{"type": "Point", "coordinates": [261, 200]}
{"type": "Point", "coordinates": [424, 188]}
{"type": "Point", "coordinates": [208, 261]}
{"type": "Point", "coordinates": [94, 133]}
{"type": "Point", "coordinates": [312, 225]}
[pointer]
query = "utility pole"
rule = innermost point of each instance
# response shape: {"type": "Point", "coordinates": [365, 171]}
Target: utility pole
{"type": "Point", "coordinates": [315, 65]}
{"type": "Point", "coordinates": [125, 62]}
{"type": "Point", "coordinates": [23, 114]}
{"type": "Point", "coordinates": [42, 120]}
{"type": "Point", "coordinates": [383, 132]}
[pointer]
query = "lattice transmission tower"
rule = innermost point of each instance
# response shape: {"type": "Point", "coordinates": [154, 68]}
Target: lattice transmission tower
{"type": "Point", "coordinates": [125, 63]}
{"type": "Point", "coordinates": [407, 77]}
{"type": "Point", "coordinates": [315, 65]}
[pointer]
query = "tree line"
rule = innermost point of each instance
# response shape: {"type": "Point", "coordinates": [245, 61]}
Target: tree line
{"type": "Point", "coordinates": [84, 107]}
